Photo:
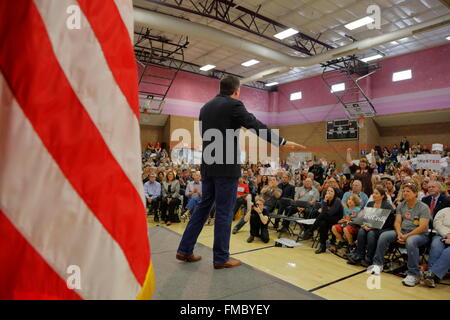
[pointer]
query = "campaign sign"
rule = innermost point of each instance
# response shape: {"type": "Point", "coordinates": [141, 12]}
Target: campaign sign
{"type": "Point", "coordinates": [372, 217]}
{"type": "Point", "coordinates": [429, 161]}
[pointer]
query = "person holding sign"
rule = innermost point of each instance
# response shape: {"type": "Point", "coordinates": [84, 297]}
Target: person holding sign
{"type": "Point", "coordinates": [367, 236]}
{"type": "Point", "coordinates": [411, 230]}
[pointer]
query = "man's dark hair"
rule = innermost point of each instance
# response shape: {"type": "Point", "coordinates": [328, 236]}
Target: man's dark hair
{"type": "Point", "coordinates": [229, 84]}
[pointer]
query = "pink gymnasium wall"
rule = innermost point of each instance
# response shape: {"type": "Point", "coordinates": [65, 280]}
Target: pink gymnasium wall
{"type": "Point", "coordinates": [428, 89]}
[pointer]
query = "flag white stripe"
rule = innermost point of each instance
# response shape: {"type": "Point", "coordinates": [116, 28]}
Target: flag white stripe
{"type": "Point", "coordinates": [127, 13]}
{"type": "Point", "coordinates": [43, 206]}
{"type": "Point", "coordinates": [83, 62]}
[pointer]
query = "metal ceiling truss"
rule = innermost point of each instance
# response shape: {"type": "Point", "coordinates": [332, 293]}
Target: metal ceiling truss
{"type": "Point", "coordinates": [161, 52]}
{"type": "Point", "coordinates": [247, 20]}
{"type": "Point", "coordinates": [350, 70]}
{"type": "Point", "coordinates": [158, 57]}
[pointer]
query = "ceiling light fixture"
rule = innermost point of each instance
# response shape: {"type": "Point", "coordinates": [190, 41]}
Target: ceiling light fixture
{"type": "Point", "coordinates": [250, 63]}
{"type": "Point", "coordinates": [359, 23]}
{"type": "Point", "coordinates": [286, 33]}
{"type": "Point", "coordinates": [296, 96]}
{"type": "Point", "coordinates": [402, 75]}
{"type": "Point", "coordinates": [207, 67]}
{"type": "Point", "coordinates": [271, 84]}
{"type": "Point", "coordinates": [338, 87]}
{"type": "Point", "coordinates": [375, 57]}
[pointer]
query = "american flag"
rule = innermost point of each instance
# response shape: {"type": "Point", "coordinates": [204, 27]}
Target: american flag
{"type": "Point", "coordinates": [72, 213]}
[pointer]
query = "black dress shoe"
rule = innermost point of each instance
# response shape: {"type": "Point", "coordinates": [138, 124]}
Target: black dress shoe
{"type": "Point", "coordinates": [322, 249]}
{"type": "Point", "coordinates": [353, 261]}
{"type": "Point", "coordinates": [306, 236]}
{"type": "Point", "coordinates": [250, 239]}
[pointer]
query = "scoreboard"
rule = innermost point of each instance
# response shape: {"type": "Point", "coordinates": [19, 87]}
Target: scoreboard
{"type": "Point", "coordinates": [342, 130]}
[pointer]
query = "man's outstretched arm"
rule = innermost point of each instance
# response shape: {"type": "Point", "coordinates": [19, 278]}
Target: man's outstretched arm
{"type": "Point", "coordinates": [249, 121]}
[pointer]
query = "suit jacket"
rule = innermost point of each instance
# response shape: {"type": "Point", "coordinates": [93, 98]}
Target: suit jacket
{"type": "Point", "coordinates": [175, 189]}
{"type": "Point", "coordinates": [288, 191]}
{"type": "Point", "coordinates": [221, 155]}
{"type": "Point", "coordinates": [443, 202]}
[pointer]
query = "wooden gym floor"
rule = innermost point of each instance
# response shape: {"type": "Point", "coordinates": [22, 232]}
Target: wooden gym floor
{"type": "Point", "coordinates": [325, 275]}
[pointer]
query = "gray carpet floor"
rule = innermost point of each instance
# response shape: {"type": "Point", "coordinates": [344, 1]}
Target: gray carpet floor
{"type": "Point", "coordinates": [177, 280]}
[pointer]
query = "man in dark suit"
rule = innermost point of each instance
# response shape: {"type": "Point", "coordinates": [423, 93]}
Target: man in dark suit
{"type": "Point", "coordinates": [436, 199]}
{"type": "Point", "coordinates": [220, 169]}
{"type": "Point", "coordinates": [404, 145]}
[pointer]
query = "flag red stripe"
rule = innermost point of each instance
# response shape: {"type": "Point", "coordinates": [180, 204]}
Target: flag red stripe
{"type": "Point", "coordinates": [115, 41]}
{"type": "Point", "coordinates": [43, 92]}
{"type": "Point", "coordinates": [24, 274]}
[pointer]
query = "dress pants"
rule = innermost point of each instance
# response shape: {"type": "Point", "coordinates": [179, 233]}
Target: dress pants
{"type": "Point", "coordinates": [222, 191]}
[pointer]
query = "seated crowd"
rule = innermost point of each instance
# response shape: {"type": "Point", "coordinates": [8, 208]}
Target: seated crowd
{"type": "Point", "coordinates": [417, 203]}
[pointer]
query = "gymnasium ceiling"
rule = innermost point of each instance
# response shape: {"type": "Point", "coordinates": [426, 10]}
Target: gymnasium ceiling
{"type": "Point", "coordinates": [316, 18]}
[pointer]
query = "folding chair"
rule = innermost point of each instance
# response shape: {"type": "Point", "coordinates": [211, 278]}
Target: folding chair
{"type": "Point", "coordinates": [303, 222]}
{"type": "Point", "coordinates": [396, 258]}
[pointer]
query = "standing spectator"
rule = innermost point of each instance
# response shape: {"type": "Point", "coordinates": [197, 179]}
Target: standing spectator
{"type": "Point", "coordinates": [404, 145]}
{"type": "Point", "coordinates": [259, 221]}
{"type": "Point", "coordinates": [171, 198]}
{"type": "Point", "coordinates": [363, 171]}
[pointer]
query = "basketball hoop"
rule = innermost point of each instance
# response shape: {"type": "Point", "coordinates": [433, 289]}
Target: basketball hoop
{"type": "Point", "coordinates": [361, 122]}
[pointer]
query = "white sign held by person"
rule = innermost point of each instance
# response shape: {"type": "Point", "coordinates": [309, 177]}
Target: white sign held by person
{"type": "Point", "coordinates": [429, 161]}
{"type": "Point", "coordinates": [372, 217]}
{"type": "Point", "coordinates": [293, 161]}
{"type": "Point", "coordinates": [437, 147]}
